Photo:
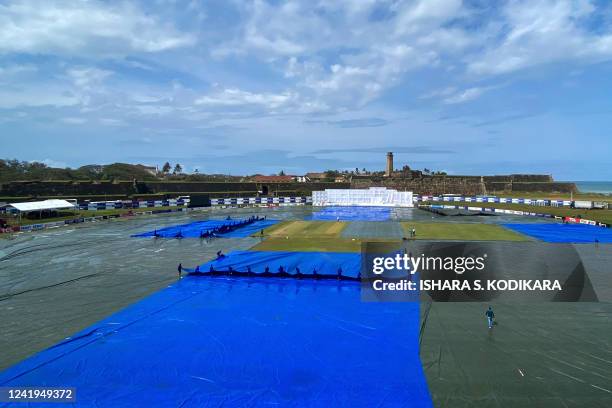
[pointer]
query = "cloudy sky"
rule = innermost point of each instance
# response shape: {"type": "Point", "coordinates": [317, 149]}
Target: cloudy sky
{"type": "Point", "coordinates": [228, 86]}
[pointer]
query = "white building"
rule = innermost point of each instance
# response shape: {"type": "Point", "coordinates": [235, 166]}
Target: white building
{"type": "Point", "coordinates": [374, 196]}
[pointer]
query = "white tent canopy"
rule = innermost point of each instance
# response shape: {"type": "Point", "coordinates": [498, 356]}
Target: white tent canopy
{"type": "Point", "coordinates": [373, 196]}
{"type": "Point", "coordinates": [42, 205]}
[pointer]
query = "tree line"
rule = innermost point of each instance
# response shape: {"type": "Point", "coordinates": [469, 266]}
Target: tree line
{"type": "Point", "coordinates": [15, 170]}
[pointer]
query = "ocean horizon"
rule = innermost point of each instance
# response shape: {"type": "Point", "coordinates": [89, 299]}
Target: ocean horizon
{"type": "Point", "coordinates": [601, 187]}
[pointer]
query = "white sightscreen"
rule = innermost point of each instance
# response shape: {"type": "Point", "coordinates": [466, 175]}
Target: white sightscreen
{"type": "Point", "coordinates": [374, 196]}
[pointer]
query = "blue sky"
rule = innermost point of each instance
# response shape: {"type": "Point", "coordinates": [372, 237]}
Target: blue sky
{"type": "Point", "coordinates": [242, 87]}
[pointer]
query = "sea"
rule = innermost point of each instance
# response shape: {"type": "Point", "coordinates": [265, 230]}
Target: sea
{"type": "Point", "coordinates": [602, 187]}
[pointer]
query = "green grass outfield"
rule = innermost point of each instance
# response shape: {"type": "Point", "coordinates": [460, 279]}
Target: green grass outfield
{"type": "Point", "coordinates": [324, 236]}
{"type": "Point", "coordinates": [309, 236]}
{"type": "Point", "coordinates": [306, 236]}
{"type": "Point", "coordinates": [308, 244]}
{"type": "Point", "coordinates": [324, 229]}
{"type": "Point", "coordinates": [462, 232]}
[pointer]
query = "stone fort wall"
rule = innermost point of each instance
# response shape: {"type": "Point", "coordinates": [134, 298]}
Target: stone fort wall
{"type": "Point", "coordinates": [466, 185]}
{"type": "Point", "coordinates": [469, 185]}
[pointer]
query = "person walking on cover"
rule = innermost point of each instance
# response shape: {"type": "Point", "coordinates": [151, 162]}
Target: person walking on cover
{"type": "Point", "coordinates": [490, 316]}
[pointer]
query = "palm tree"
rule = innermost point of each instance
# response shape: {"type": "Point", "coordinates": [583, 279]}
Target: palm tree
{"type": "Point", "coordinates": [166, 168]}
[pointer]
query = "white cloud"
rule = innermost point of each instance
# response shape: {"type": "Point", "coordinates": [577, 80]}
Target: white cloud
{"type": "Point", "coordinates": [147, 98]}
{"type": "Point", "coordinates": [154, 109]}
{"type": "Point", "coordinates": [338, 55]}
{"type": "Point", "coordinates": [542, 32]}
{"type": "Point", "coordinates": [237, 97]}
{"type": "Point", "coordinates": [436, 93]}
{"type": "Point", "coordinates": [16, 69]}
{"type": "Point", "coordinates": [306, 57]}
{"type": "Point", "coordinates": [73, 120]}
{"type": "Point", "coordinates": [426, 14]}
{"type": "Point", "coordinates": [465, 95]}
{"type": "Point", "coordinates": [368, 56]}
{"type": "Point", "coordinates": [88, 77]}
{"type": "Point", "coordinates": [112, 122]}
{"type": "Point", "coordinates": [85, 28]}
{"type": "Point", "coordinates": [36, 96]}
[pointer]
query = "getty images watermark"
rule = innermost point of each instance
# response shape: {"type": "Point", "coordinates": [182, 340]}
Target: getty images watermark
{"type": "Point", "coordinates": [465, 271]}
{"type": "Point", "coordinates": [459, 265]}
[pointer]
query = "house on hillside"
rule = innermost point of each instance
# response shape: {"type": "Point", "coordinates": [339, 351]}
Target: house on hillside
{"type": "Point", "coordinates": [315, 176]}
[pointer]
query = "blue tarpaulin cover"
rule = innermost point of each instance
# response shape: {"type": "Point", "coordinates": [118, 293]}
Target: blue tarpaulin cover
{"type": "Point", "coordinates": [241, 342]}
{"type": "Point", "coordinates": [569, 233]}
{"type": "Point", "coordinates": [353, 213]}
{"type": "Point", "coordinates": [193, 229]}
{"type": "Point", "coordinates": [325, 263]}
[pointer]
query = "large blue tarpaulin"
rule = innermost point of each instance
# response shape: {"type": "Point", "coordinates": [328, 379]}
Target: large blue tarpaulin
{"type": "Point", "coordinates": [568, 233]}
{"type": "Point", "coordinates": [352, 213]}
{"type": "Point", "coordinates": [194, 229]}
{"type": "Point", "coordinates": [241, 342]}
{"type": "Point", "coordinates": [324, 263]}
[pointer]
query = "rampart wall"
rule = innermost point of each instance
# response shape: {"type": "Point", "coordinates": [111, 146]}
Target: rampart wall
{"type": "Point", "coordinates": [465, 185]}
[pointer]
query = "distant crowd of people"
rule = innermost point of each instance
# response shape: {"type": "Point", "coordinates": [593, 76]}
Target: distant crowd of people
{"type": "Point", "coordinates": [219, 230]}
{"type": "Point", "coordinates": [281, 272]}
{"type": "Point", "coordinates": [226, 228]}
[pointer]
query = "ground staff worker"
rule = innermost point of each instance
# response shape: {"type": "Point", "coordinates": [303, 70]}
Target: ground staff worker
{"type": "Point", "coordinates": [490, 316]}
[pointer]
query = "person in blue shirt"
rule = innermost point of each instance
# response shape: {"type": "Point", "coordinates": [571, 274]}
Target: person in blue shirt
{"type": "Point", "coordinates": [490, 316]}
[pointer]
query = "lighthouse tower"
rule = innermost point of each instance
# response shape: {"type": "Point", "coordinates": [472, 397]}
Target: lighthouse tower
{"type": "Point", "coordinates": [389, 170]}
